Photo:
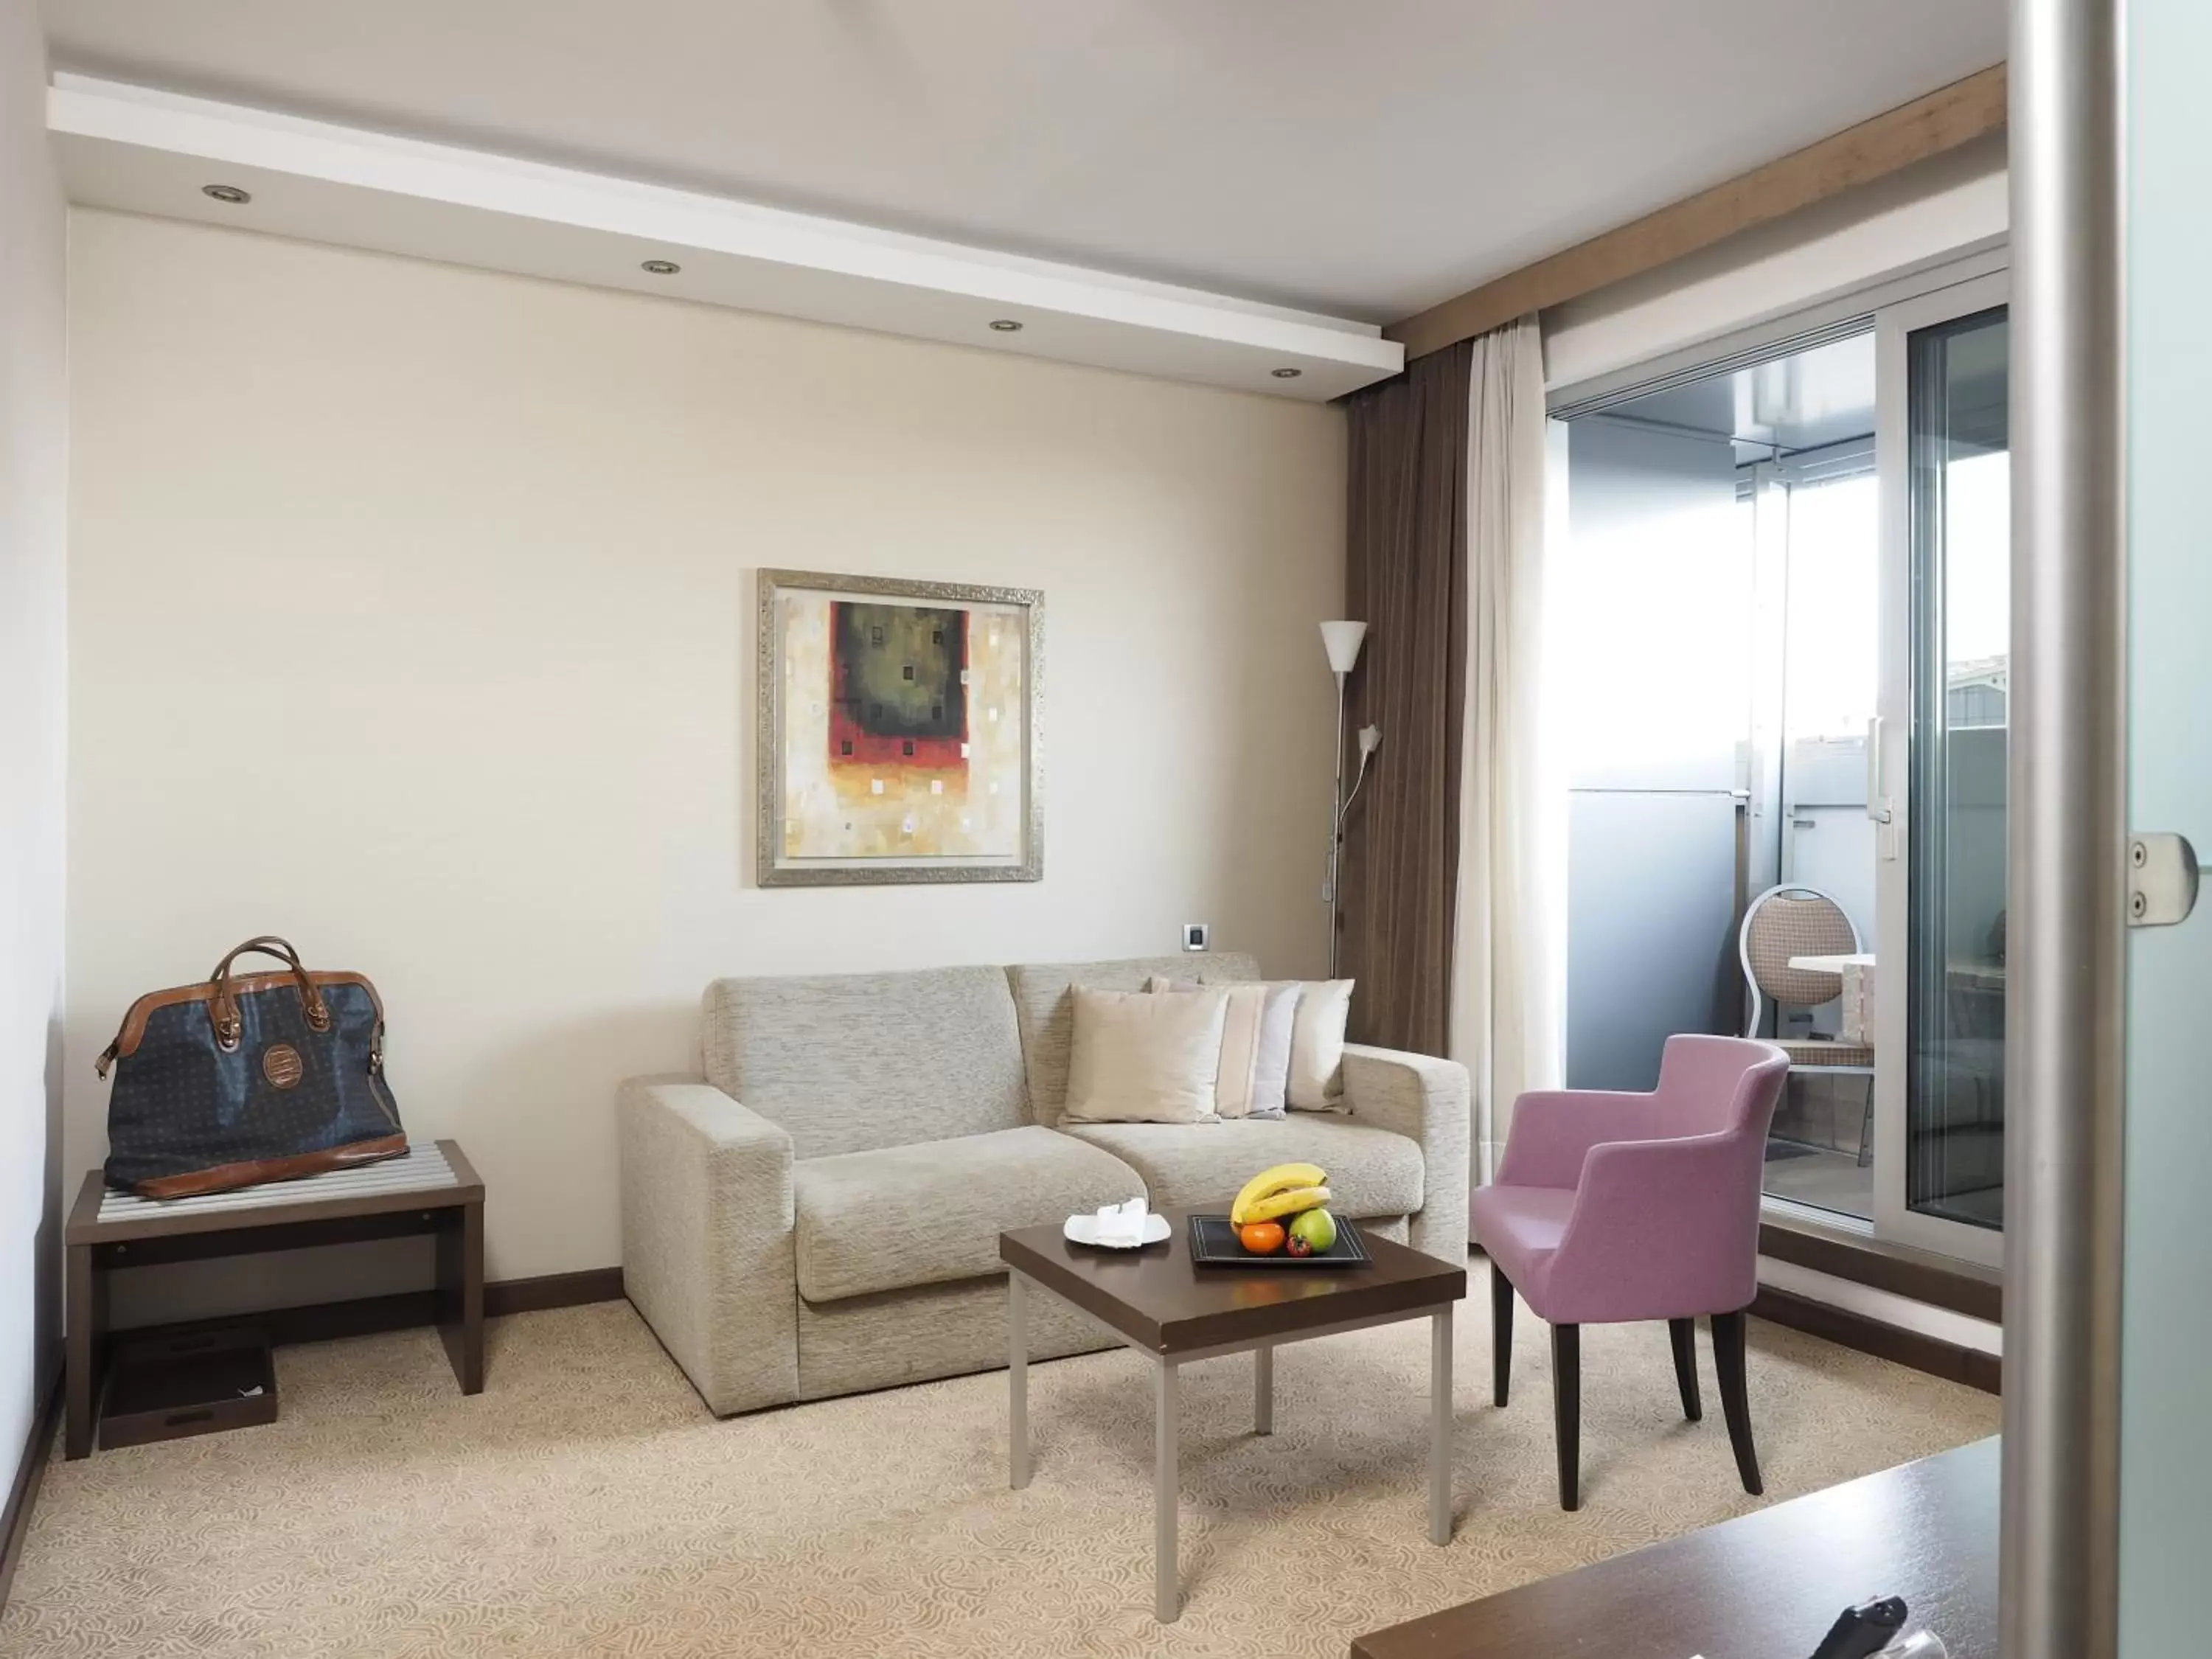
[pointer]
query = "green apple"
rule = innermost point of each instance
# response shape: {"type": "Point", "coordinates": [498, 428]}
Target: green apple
{"type": "Point", "coordinates": [1316, 1228]}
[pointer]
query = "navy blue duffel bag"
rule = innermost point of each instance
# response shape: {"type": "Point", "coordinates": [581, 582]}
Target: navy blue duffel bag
{"type": "Point", "coordinates": [249, 1078]}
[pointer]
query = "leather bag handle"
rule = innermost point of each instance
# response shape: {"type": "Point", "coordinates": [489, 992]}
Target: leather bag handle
{"type": "Point", "coordinates": [223, 1008]}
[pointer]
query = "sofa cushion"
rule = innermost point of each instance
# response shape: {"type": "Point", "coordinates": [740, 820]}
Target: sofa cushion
{"type": "Point", "coordinates": [1046, 1012]}
{"type": "Point", "coordinates": [1199, 1166]}
{"type": "Point", "coordinates": [845, 1062]}
{"type": "Point", "coordinates": [931, 1213]}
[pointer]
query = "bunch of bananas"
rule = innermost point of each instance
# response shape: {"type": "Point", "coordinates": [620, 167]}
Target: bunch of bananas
{"type": "Point", "coordinates": [1296, 1194]}
{"type": "Point", "coordinates": [1283, 1190]}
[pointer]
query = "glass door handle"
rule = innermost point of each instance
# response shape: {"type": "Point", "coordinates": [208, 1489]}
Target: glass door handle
{"type": "Point", "coordinates": [1877, 804]}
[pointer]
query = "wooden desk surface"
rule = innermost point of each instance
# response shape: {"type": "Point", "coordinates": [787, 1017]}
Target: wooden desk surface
{"type": "Point", "coordinates": [1763, 1586]}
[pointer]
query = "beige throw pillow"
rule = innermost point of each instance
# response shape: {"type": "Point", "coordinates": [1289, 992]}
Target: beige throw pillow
{"type": "Point", "coordinates": [1255, 1045]}
{"type": "Point", "coordinates": [1317, 1046]}
{"type": "Point", "coordinates": [1140, 1059]}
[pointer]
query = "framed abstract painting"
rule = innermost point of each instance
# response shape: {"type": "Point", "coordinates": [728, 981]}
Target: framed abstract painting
{"type": "Point", "coordinates": [899, 728]}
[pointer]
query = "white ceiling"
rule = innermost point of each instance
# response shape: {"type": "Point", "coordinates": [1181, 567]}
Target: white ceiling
{"type": "Point", "coordinates": [1364, 159]}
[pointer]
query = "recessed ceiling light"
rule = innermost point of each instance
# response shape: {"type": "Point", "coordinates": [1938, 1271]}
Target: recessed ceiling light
{"type": "Point", "coordinates": [1286, 373]}
{"type": "Point", "coordinates": [1006, 326]}
{"type": "Point", "coordinates": [661, 267]}
{"type": "Point", "coordinates": [230, 193]}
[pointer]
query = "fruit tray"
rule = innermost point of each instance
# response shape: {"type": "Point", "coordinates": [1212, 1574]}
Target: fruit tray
{"type": "Point", "coordinates": [1213, 1244]}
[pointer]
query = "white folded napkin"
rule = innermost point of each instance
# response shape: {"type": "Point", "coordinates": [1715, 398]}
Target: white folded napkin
{"type": "Point", "coordinates": [1122, 1224]}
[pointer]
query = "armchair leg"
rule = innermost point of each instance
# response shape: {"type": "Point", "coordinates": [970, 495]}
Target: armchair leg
{"type": "Point", "coordinates": [1683, 1334]}
{"type": "Point", "coordinates": [1501, 1335]}
{"type": "Point", "coordinates": [1567, 1410]}
{"type": "Point", "coordinates": [1735, 1402]}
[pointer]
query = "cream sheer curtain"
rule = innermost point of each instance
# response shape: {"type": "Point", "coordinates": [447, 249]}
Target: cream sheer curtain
{"type": "Point", "coordinates": [1507, 955]}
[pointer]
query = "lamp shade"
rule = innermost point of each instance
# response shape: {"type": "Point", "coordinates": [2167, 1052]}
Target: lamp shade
{"type": "Point", "coordinates": [1341, 641]}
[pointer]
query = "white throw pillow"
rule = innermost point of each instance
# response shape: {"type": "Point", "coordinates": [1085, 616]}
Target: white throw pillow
{"type": "Point", "coordinates": [1253, 1080]}
{"type": "Point", "coordinates": [1140, 1059]}
{"type": "Point", "coordinates": [1317, 1045]}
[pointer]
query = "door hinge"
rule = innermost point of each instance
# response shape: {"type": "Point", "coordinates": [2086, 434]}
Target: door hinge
{"type": "Point", "coordinates": [2161, 879]}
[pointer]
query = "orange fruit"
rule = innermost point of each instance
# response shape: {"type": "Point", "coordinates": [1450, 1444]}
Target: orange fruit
{"type": "Point", "coordinates": [1260, 1238]}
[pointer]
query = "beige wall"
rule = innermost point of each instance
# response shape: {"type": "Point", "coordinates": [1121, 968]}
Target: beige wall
{"type": "Point", "coordinates": [34, 464]}
{"type": "Point", "coordinates": [411, 618]}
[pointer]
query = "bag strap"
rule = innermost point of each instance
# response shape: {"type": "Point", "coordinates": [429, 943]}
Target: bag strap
{"type": "Point", "coordinates": [223, 1007]}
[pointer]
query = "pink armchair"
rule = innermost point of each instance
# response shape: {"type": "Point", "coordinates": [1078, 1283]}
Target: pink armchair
{"type": "Point", "coordinates": [1611, 1207]}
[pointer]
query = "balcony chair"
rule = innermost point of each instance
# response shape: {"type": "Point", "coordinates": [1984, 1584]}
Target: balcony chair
{"type": "Point", "coordinates": [1791, 920]}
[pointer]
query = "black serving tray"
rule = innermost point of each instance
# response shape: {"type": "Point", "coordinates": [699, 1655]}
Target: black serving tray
{"type": "Point", "coordinates": [1213, 1244]}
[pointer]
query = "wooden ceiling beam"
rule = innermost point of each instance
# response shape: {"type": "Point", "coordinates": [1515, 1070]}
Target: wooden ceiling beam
{"type": "Point", "coordinates": [1944, 120]}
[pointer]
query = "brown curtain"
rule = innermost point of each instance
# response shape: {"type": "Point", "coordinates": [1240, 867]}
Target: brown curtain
{"type": "Point", "coordinates": [1406, 577]}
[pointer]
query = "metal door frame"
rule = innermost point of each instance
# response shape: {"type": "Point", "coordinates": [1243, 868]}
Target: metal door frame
{"type": "Point", "coordinates": [1893, 327]}
{"type": "Point", "coordinates": [2064, 1038]}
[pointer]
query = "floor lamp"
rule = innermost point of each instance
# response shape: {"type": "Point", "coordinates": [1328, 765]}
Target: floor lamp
{"type": "Point", "coordinates": [1341, 640]}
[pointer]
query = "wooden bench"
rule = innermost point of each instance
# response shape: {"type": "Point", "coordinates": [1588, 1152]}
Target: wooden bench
{"type": "Point", "coordinates": [432, 1189]}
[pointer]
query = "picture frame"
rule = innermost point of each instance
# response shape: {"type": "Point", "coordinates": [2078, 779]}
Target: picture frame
{"type": "Point", "coordinates": [899, 730]}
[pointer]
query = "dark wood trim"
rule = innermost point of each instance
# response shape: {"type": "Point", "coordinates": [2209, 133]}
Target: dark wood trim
{"type": "Point", "coordinates": [30, 1470]}
{"type": "Point", "coordinates": [1920, 1275]}
{"type": "Point", "coordinates": [1944, 120]}
{"type": "Point", "coordinates": [547, 1291]}
{"type": "Point", "coordinates": [1851, 1330]}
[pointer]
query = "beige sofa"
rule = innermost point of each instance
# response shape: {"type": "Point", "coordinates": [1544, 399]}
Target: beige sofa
{"type": "Point", "coordinates": [821, 1214]}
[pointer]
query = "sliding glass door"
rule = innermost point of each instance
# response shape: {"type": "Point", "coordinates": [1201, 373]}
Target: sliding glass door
{"type": "Point", "coordinates": [1936, 766]}
{"type": "Point", "coordinates": [1784, 614]}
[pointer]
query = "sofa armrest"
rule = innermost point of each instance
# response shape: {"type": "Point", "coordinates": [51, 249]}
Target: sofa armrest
{"type": "Point", "coordinates": [707, 1252]}
{"type": "Point", "coordinates": [1426, 1100]}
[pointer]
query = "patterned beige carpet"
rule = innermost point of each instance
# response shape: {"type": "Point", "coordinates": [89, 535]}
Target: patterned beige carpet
{"type": "Point", "coordinates": [586, 1504]}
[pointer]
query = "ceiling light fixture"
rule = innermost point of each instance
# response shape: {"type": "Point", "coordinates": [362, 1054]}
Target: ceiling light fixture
{"type": "Point", "coordinates": [1006, 326]}
{"type": "Point", "coordinates": [230, 194]}
{"type": "Point", "coordinates": [661, 267]}
{"type": "Point", "coordinates": [1286, 373]}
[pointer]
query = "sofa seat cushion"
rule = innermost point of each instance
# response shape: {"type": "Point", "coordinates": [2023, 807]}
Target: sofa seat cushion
{"type": "Point", "coordinates": [932, 1213]}
{"type": "Point", "coordinates": [1198, 1166]}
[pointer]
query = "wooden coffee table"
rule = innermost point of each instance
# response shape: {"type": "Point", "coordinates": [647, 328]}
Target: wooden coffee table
{"type": "Point", "coordinates": [1154, 1300]}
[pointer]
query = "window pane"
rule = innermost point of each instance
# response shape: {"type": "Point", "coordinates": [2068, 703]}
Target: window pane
{"type": "Point", "coordinates": [1961, 555]}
